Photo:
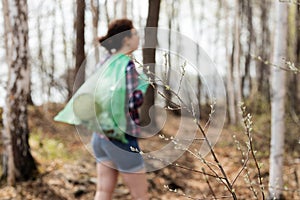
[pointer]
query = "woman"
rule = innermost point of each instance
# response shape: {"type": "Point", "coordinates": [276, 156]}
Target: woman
{"type": "Point", "coordinates": [116, 156]}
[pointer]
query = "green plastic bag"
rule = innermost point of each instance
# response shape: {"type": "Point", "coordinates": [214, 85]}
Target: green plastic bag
{"type": "Point", "coordinates": [99, 104]}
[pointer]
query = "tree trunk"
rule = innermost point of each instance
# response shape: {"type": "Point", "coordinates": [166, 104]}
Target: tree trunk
{"type": "Point", "coordinates": [115, 8]}
{"type": "Point", "coordinates": [132, 15]}
{"type": "Point", "coordinates": [229, 73]}
{"type": "Point", "coordinates": [263, 70]}
{"type": "Point", "coordinates": [18, 162]}
{"type": "Point", "coordinates": [217, 35]}
{"type": "Point", "coordinates": [292, 56]}
{"type": "Point", "coordinates": [277, 102]}
{"type": "Point", "coordinates": [167, 76]}
{"type": "Point", "coordinates": [65, 52]}
{"type": "Point", "coordinates": [80, 55]}
{"type": "Point", "coordinates": [236, 60]}
{"type": "Point", "coordinates": [250, 40]}
{"type": "Point", "coordinates": [52, 56]}
{"type": "Point", "coordinates": [149, 60]}
{"type": "Point", "coordinates": [198, 30]}
{"type": "Point", "coordinates": [106, 12]}
{"type": "Point", "coordinates": [124, 8]}
{"type": "Point", "coordinates": [139, 14]}
{"type": "Point", "coordinates": [297, 97]}
{"type": "Point", "coordinates": [71, 74]}
{"type": "Point", "coordinates": [95, 12]}
{"type": "Point", "coordinates": [7, 30]}
{"type": "Point", "coordinates": [41, 61]}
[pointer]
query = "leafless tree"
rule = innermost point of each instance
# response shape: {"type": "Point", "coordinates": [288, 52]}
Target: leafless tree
{"type": "Point", "coordinates": [248, 10]}
{"type": "Point", "coordinates": [277, 102]}
{"type": "Point", "coordinates": [18, 162]}
{"type": "Point", "coordinates": [80, 41]}
{"type": "Point", "coordinates": [263, 71]}
{"type": "Point", "coordinates": [229, 71]}
{"type": "Point", "coordinates": [149, 57]}
{"type": "Point", "coordinates": [95, 13]}
{"type": "Point", "coordinates": [236, 59]}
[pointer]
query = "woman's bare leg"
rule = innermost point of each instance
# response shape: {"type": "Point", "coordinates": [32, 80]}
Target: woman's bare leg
{"type": "Point", "coordinates": [137, 183]}
{"type": "Point", "coordinates": [106, 181]}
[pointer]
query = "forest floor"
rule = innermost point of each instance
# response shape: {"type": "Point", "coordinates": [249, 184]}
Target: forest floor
{"type": "Point", "coordinates": [67, 168]}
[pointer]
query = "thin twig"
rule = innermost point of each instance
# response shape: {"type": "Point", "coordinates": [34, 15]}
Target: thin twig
{"type": "Point", "coordinates": [196, 171]}
{"type": "Point", "coordinates": [225, 181]}
{"type": "Point", "coordinates": [290, 66]}
{"type": "Point", "coordinates": [194, 198]}
{"type": "Point", "coordinates": [248, 124]}
{"type": "Point", "coordinates": [209, 186]}
{"type": "Point", "coordinates": [244, 168]}
{"type": "Point", "coordinates": [241, 170]}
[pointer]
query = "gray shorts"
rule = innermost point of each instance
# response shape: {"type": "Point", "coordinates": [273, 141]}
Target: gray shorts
{"type": "Point", "coordinates": [120, 154]}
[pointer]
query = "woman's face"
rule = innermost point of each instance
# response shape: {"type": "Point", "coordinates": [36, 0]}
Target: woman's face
{"type": "Point", "coordinates": [133, 41]}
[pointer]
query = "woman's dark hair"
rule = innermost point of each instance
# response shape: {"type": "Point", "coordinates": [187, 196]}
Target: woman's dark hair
{"type": "Point", "coordinates": [114, 28]}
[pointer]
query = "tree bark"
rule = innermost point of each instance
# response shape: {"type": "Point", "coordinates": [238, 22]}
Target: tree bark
{"type": "Point", "coordinates": [52, 56]}
{"type": "Point", "coordinates": [18, 161]}
{"type": "Point", "coordinates": [95, 12]}
{"type": "Point", "coordinates": [168, 65]}
{"type": "Point", "coordinates": [263, 70]}
{"type": "Point", "coordinates": [115, 8]}
{"type": "Point", "coordinates": [277, 102]}
{"type": "Point", "coordinates": [7, 30]}
{"type": "Point", "coordinates": [217, 35]}
{"type": "Point", "coordinates": [149, 60]}
{"type": "Point", "coordinates": [236, 60]}
{"type": "Point", "coordinates": [67, 60]}
{"type": "Point", "coordinates": [296, 77]}
{"type": "Point", "coordinates": [229, 73]}
{"type": "Point", "coordinates": [106, 12]}
{"type": "Point", "coordinates": [124, 8]}
{"type": "Point", "coordinates": [80, 41]}
{"type": "Point", "coordinates": [292, 83]}
{"type": "Point", "coordinates": [250, 40]}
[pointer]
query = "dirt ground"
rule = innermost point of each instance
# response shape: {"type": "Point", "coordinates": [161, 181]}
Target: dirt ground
{"type": "Point", "coordinates": [72, 175]}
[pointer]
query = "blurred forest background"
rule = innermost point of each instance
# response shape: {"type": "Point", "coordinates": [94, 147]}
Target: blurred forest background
{"type": "Point", "coordinates": [255, 45]}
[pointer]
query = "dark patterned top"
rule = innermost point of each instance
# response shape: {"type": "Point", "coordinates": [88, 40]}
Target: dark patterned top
{"type": "Point", "coordinates": [135, 99]}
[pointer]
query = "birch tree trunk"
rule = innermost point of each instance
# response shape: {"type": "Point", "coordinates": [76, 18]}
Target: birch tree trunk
{"type": "Point", "coordinates": [278, 92]}
{"type": "Point", "coordinates": [18, 162]}
{"type": "Point", "coordinates": [41, 61]}
{"type": "Point", "coordinates": [236, 60]}
{"type": "Point", "coordinates": [229, 73]}
{"type": "Point", "coordinates": [67, 59]}
{"type": "Point", "coordinates": [7, 30]}
{"type": "Point", "coordinates": [149, 58]}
